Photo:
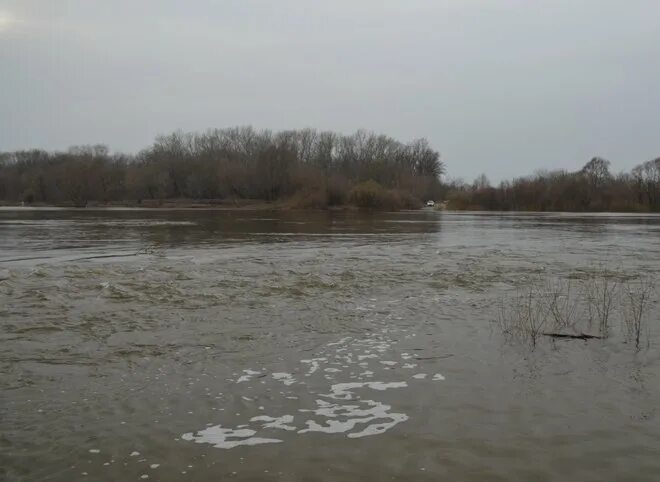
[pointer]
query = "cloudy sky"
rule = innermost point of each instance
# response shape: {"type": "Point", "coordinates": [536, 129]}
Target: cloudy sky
{"type": "Point", "coordinates": [503, 87]}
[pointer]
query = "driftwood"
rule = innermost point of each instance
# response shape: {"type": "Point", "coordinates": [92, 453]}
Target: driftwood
{"type": "Point", "coordinates": [581, 336]}
{"type": "Point", "coordinates": [440, 357]}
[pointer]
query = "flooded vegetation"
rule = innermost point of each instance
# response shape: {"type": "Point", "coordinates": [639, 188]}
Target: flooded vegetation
{"type": "Point", "coordinates": [574, 308]}
{"type": "Point", "coordinates": [320, 345]}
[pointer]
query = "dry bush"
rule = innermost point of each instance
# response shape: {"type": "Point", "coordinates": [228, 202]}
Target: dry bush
{"type": "Point", "coordinates": [403, 199]}
{"type": "Point", "coordinates": [368, 194]}
{"type": "Point", "coordinates": [371, 195]}
{"type": "Point", "coordinates": [337, 190]}
{"type": "Point", "coordinates": [462, 201]}
{"type": "Point", "coordinates": [637, 296]}
{"type": "Point", "coordinates": [309, 199]}
{"type": "Point", "coordinates": [568, 308]}
{"type": "Point", "coordinates": [602, 295]}
{"type": "Point", "coordinates": [525, 316]}
{"type": "Point", "coordinates": [542, 306]}
{"type": "Point", "coordinates": [563, 303]}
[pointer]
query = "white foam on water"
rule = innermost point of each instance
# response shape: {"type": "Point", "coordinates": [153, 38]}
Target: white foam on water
{"type": "Point", "coordinates": [248, 375]}
{"type": "Point", "coordinates": [226, 438]}
{"type": "Point", "coordinates": [275, 422]}
{"type": "Point", "coordinates": [342, 391]}
{"type": "Point", "coordinates": [344, 418]}
{"type": "Point", "coordinates": [135, 453]}
{"type": "Point", "coordinates": [340, 342]}
{"type": "Point", "coordinates": [381, 347]}
{"type": "Point", "coordinates": [340, 411]}
{"type": "Point", "coordinates": [285, 378]}
{"type": "Point", "coordinates": [314, 364]}
{"type": "Point", "coordinates": [364, 357]}
{"type": "Point", "coordinates": [94, 451]}
{"type": "Point", "coordinates": [378, 428]}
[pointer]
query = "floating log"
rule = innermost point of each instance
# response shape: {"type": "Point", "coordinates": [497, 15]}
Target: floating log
{"type": "Point", "coordinates": [440, 357]}
{"type": "Point", "coordinates": [581, 336]}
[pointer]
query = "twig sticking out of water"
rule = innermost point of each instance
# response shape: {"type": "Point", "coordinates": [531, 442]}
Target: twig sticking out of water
{"type": "Point", "coordinates": [560, 308]}
{"type": "Point", "coordinates": [524, 317]}
{"type": "Point", "coordinates": [581, 336]}
{"type": "Point", "coordinates": [602, 292]}
{"type": "Point", "coordinates": [637, 297]}
{"type": "Point", "coordinates": [563, 304]}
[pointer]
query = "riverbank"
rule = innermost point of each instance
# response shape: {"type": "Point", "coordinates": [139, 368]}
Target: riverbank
{"type": "Point", "coordinates": [214, 204]}
{"type": "Point", "coordinates": [172, 204]}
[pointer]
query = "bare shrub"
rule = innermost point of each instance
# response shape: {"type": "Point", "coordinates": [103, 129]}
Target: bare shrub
{"type": "Point", "coordinates": [567, 308]}
{"type": "Point", "coordinates": [371, 195]}
{"type": "Point", "coordinates": [602, 294]}
{"type": "Point", "coordinates": [637, 296]}
{"type": "Point", "coordinates": [337, 188]}
{"type": "Point", "coordinates": [309, 199]}
{"type": "Point", "coordinates": [525, 315]}
{"type": "Point", "coordinates": [563, 303]}
{"type": "Point", "coordinates": [404, 200]}
{"type": "Point", "coordinates": [368, 194]}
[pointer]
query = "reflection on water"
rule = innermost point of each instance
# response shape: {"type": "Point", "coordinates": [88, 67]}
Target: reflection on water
{"type": "Point", "coordinates": [247, 345]}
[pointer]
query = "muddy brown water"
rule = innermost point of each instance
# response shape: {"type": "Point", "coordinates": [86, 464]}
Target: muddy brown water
{"type": "Point", "coordinates": [312, 346]}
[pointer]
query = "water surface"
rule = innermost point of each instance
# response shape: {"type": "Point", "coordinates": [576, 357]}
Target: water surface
{"type": "Point", "coordinates": [248, 345]}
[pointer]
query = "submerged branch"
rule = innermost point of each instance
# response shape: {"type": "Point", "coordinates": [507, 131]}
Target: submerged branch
{"type": "Point", "coordinates": [581, 336]}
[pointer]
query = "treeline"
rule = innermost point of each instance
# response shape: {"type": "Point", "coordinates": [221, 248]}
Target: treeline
{"type": "Point", "coordinates": [307, 168]}
{"type": "Point", "coordinates": [591, 189]}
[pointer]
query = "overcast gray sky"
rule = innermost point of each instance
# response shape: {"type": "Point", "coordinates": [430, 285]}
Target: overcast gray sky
{"type": "Point", "coordinates": [503, 87]}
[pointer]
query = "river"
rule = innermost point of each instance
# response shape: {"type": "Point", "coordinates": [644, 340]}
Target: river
{"type": "Point", "coordinates": [314, 346]}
